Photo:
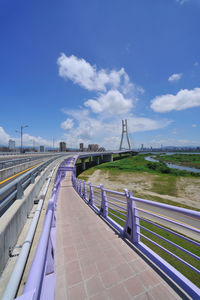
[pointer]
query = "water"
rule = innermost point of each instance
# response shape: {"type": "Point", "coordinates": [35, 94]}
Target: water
{"type": "Point", "coordinates": [173, 166]}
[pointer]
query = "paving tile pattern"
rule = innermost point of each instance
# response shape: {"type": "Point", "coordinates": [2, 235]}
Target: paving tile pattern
{"type": "Point", "coordinates": [92, 262]}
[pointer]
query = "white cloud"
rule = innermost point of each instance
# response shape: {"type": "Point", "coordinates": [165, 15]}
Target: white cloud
{"type": "Point", "coordinates": [28, 140]}
{"type": "Point", "coordinates": [112, 102]}
{"type": "Point", "coordinates": [87, 76]}
{"type": "Point", "coordinates": [175, 77]}
{"type": "Point", "coordinates": [181, 2]}
{"type": "Point", "coordinates": [146, 124]}
{"type": "Point", "coordinates": [107, 132]}
{"type": "Point", "coordinates": [196, 64]}
{"type": "Point", "coordinates": [182, 100]}
{"type": "Point", "coordinates": [194, 125]}
{"type": "Point", "coordinates": [174, 131]}
{"type": "Point", "coordinates": [4, 137]}
{"type": "Point", "coordinates": [116, 95]}
{"type": "Point", "coordinates": [67, 124]}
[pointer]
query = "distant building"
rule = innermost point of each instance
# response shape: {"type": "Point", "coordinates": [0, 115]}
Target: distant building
{"type": "Point", "coordinates": [11, 145]}
{"type": "Point", "coordinates": [81, 147]}
{"type": "Point", "coordinates": [93, 147]}
{"type": "Point", "coordinates": [41, 148]}
{"type": "Point", "coordinates": [62, 147]}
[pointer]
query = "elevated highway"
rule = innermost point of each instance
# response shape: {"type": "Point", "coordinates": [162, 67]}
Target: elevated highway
{"type": "Point", "coordinates": [12, 164]}
{"type": "Point", "coordinates": [100, 157]}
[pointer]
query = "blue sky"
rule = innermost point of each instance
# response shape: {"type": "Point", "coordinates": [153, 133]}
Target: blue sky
{"type": "Point", "coordinates": [72, 70]}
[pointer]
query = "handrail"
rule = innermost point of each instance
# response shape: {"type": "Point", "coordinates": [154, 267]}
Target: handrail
{"type": "Point", "coordinates": [182, 210]}
{"type": "Point", "coordinates": [44, 259]}
{"type": "Point", "coordinates": [170, 220]}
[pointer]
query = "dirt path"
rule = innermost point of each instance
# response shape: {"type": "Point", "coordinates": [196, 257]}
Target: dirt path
{"type": "Point", "coordinates": [187, 189]}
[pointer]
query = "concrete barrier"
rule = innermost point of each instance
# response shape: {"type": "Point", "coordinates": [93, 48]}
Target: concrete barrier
{"type": "Point", "coordinates": [12, 222]}
{"type": "Point", "coordinates": [5, 173]}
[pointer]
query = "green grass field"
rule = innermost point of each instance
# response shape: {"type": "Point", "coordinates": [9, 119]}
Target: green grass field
{"type": "Point", "coordinates": [164, 179]}
{"type": "Point", "coordinates": [139, 164]}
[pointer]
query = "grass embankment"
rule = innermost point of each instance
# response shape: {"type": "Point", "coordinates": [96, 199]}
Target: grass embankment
{"type": "Point", "coordinates": [139, 164]}
{"type": "Point", "coordinates": [164, 179]}
{"type": "Point", "coordinates": [186, 271]}
{"type": "Point", "coordinates": [189, 160]}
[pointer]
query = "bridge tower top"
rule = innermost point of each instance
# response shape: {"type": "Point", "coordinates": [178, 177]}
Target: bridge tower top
{"type": "Point", "coordinates": [124, 131]}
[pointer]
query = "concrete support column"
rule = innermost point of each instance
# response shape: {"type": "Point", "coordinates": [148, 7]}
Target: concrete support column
{"type": "Point", "coordinates": [83, 163]}
{"type": "Point", "coordinates": [96, 159]}
{"type": "Point", "coordinates": [108, 158]}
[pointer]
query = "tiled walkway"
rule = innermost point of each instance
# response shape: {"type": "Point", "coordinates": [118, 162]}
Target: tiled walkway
{"type": "Point", "coordinates": [92, 262]}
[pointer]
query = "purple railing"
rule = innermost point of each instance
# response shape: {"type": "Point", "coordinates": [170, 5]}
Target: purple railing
{"type": "Point", "coordinates": [137, 219]}
{"type": "Point", "coordinates": [41, 279]}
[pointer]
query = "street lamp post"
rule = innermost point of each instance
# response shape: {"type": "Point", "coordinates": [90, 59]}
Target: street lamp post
{"type": "Point", "coordinates": [21, 132]}
{"type": "Point", "coordinates": [22, 127]}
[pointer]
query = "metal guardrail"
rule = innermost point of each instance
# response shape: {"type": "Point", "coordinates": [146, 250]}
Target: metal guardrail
{"type": "Point", "coordinates": [13, 162]}
{"type": "Point", "coordinates": [16, 161]}
{"type": "Point", "coordinates": [157, 226]}
{"type": "Point", "coordinates": [15, 189]}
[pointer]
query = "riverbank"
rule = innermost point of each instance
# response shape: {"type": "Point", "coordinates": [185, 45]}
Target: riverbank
{"type": "Point", "coordinates": [188, 160]}
{"type": "Point", "coordinates": [133, 173]}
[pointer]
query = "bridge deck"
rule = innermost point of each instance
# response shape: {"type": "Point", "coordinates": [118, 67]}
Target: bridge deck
{"type": "Point", "coordinates": [92, 262]}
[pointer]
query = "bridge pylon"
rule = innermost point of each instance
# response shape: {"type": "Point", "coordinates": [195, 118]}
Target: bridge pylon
{"type": "Point", "coordinates": [124, 131]}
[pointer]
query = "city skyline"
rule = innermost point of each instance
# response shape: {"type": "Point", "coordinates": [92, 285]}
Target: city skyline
{"type": "Point", "coordinates": [73, 70]}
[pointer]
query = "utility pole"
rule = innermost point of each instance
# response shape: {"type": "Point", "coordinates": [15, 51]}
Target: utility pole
{"type": "Point", "coordinates": [124, 130]}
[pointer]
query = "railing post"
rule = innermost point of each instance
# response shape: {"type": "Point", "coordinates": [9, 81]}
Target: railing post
{"type": "Point", "coordinates": [131, 229]}
{"type": "Point", "coordinates": [73, 179]}
{"type": "Point", "coordinates": [50, 268]}
{"type": "Point", "coordinates": [91, 197]}
{"type": "Point", "coordinates": [80, 190]}
{"type": "Point", "coordinates": [20, 191]}
{"type": "Point", "coordinates": [84, 191]}
{"type": "Point", "coordinates": [76, 184]}
{"type": "Point", "coordinates": [32, 178]}
{"type": "Point", "coordinates": [104, 202]}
